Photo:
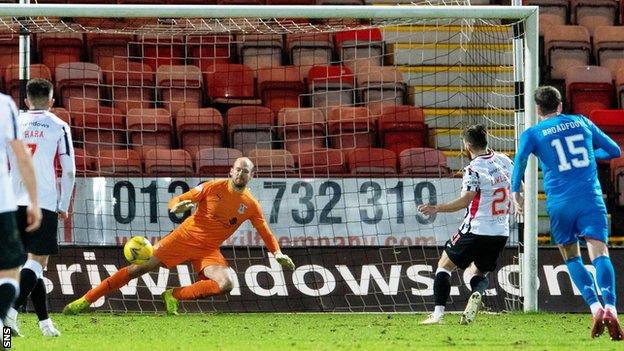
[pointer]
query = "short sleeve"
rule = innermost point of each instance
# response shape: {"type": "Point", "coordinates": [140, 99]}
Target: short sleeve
{"type": "Point", "coordinates": [9, 115]}
{"type": "Point", "coordinates": [470, 181]}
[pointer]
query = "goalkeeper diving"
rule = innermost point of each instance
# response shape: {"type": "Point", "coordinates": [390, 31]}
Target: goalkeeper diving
{"type": "Point", "coordinates": [222, 206]}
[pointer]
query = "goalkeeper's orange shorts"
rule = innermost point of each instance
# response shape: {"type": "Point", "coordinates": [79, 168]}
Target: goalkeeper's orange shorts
{"type": "Point", "coordinates": [173, 250]}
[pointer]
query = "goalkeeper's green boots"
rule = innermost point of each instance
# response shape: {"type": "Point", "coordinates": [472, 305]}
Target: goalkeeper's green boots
{"type": "Point", "coordinates": [76, 306]}
{"type": "Point", "coordinates": [171, 303]}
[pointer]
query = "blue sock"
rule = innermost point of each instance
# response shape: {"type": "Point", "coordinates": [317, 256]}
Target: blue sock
{"type": "Point", "coordinates": [582, 279]}
{"type": "Point", "coordinates": [605, 277]}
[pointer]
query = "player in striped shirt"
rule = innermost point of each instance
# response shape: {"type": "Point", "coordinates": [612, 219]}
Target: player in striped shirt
{"type": "Point", "coordinates": [483, 234]}
{"type": "Point", "coordinates": [49, 139]}
{"type": "Point", "coordinates": [12, 254]}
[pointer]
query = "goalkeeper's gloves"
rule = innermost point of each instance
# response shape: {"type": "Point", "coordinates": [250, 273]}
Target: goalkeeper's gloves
{"type": "Point", "coordinates": [285, 261]}
{"type": "Point", "coordinates": [182, 207]}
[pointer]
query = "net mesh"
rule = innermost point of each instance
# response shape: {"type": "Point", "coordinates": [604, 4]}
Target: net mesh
{"type": "Point", "coordinates": [351, 125]}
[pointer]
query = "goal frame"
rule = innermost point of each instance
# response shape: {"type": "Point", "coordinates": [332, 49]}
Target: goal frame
{"type": "Point", "coordinates": [528, 52]}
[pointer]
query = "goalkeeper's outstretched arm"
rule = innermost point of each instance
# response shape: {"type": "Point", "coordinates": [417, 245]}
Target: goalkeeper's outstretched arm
{"type": "Point", "coordinates": [259, 222]}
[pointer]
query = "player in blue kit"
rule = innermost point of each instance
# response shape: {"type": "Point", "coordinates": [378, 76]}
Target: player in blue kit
{"type": "Point", "coordinates": [568, 147]}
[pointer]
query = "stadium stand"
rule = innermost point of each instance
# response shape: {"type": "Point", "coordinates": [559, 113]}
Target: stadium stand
{"type": "Point", "coordinates": [120, 162]}
{"type": "Point", "coordinates": [372, 162]}
{"type": "Point", "coordinates": [588, 88]}
{"type": "Point", "coordinates": [301, 128]}
{"type": "Point", "coordinates": [199, 128]}
{"type": "Point", "coordinates": [168, 162]}
{"type": "Point", "coordinates": [215, 161]}
{"type": "Point", "coordinates": [131, 84]}
{"type": "Point", "coordinates": [423, 162]}
{"type": "Point", "coordinates": [250, 127]}
{"type": "Point", "coordinates": [99, 129]}
{"type": "Point", "coordinates": [179, 86]}
{"type": "Point", "coordinates": [149, 129]}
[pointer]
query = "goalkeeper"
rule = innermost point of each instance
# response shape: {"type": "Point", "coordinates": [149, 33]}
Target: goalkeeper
{"type": "Point", "coordinates": [222, 206]}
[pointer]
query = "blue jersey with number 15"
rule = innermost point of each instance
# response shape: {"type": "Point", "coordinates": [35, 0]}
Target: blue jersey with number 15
{"type": "Point", "coordinates": [567, 147]}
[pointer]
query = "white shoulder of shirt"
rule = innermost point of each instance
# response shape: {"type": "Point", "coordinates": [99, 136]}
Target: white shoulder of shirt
{"type": "Point", "coordinates": [50, 116]}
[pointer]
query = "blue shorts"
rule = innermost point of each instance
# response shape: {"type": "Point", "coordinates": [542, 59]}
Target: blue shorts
{"type": "Point", "coordinates": [569, 221]}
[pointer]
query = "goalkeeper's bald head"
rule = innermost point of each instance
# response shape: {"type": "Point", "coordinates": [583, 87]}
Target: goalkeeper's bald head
{"type": "Point", "coordinates": [241, 172]}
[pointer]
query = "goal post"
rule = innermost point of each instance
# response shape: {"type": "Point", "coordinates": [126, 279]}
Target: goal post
{"type": "Point", "coordinates": [356, 200]}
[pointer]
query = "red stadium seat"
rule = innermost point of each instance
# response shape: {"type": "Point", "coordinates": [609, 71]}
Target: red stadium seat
{"type": "Point", "coordinates": [250, 127]}
{"type": "Point", "coordinates": [80, 104]}
{"type": "Point", "coordinates": [122, 162]}
{"type": "Point", "coordinates": [78, 80]}
{"type": "Point", "coordinates": [231, 84]}
{"type": "Point", "coordinates": [216, 161]}
{"type": "Point", "coordinates": [362, 44]}
{"type": "Point", "coordinates": [593, 13]}
{"type": "Point", "coordinates": [168, 163]}
{"type": "Point", "coordinates": [158, 50]}
{"type": "Point", "coordinates": [85, 163]}
{"type": "Point", "coordinates": [308, 50]}
{"type": "Point", "coordinates": [148, 129]}
{"type": "Point", "coordinates": [588, 88]}
{"type": "Point", "coordinates": [619, 86]}
{"type": "Point", "coordinates": [64, 115]}
{"type": "Point", "coordinates": [350, 127]}
{"type": "Point", "coordinates": [179, 87]}
{"type": "Point", "coordinates": [273, 163]}
{"type": "Point", "coordinates": [280, 87]}
{"type": "Point", "coordinates": [609, 47]}
{"type": "Point", "coordinates": [384, 84]}
{"type": "Point", "coordinates": [108, 46]}
{"type": "Point", "coordinates": [199, 128]}
{"type": "Point", "coordinates": [12, 81]}
{"type": "Point", "coordinates": [331, 86]}
{"type": "Point", "coordinates": [321, 162]}
{"type": "Point", "coordinates": [371, 161]}
{"type": "Point", "coordinates": [423, 162]}
{"type": "Point", "coordinates": [260, 50]}
{"type": "Point", "coordinates": [208, 50]}
{"type": "Point", "coordinates": [9, 51]}
{"type": "Point", "coordinates": [301, 128]}
{"type": "Point", "coordinates": [100, 129]}
{"type": "Point", "coordinates": [131, 83]}
{"type": "Point", "coordinates": [400, 127]}
{"type": "Point", "coordinates": [555, 10]}
{"type": "Point", "coordinates": [611, 122]}
{"type": "Point", "coordinates": [565, 47]}
{"type": "Point", "coordinates": [59, 48]}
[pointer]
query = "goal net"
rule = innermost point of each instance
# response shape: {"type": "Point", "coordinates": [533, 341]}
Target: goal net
{"type": "Point", "coordinates": [351, 123]}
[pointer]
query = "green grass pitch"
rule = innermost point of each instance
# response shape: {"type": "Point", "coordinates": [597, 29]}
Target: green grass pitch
{"type": "Point", "coordinates": [265, 331]}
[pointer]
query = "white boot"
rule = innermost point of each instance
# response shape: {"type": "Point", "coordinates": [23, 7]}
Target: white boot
{"type": "Point", "coordinates": [434, 318]}
{"type": "Point", "coordinates": [48, 329]}
{"type": "Point", "coordinates": [472, 308]}
{"type": "Point", "coordinates": [11, 321]}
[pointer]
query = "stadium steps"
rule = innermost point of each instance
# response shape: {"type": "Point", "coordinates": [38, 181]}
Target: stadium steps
{"type": "Point", "coordinates": [450, 139]}
{"type": "Point", "coordinates": [445, 34]}
{"type": "Point", "coordinates": [456, 117]}
{"type": "Point", "coordinates": [455, 75]}
{"type": "Point", "coordinates": [427, 96]}
{"type": "Point", "coordinates": [450, 54]}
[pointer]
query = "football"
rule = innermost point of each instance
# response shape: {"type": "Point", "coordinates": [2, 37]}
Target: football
{"type": "Point", "coordinates": [138, 250]}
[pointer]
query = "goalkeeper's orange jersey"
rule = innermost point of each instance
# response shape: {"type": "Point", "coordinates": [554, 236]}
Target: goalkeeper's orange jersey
{"type": "Point", "coordinates": [220, 211]}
